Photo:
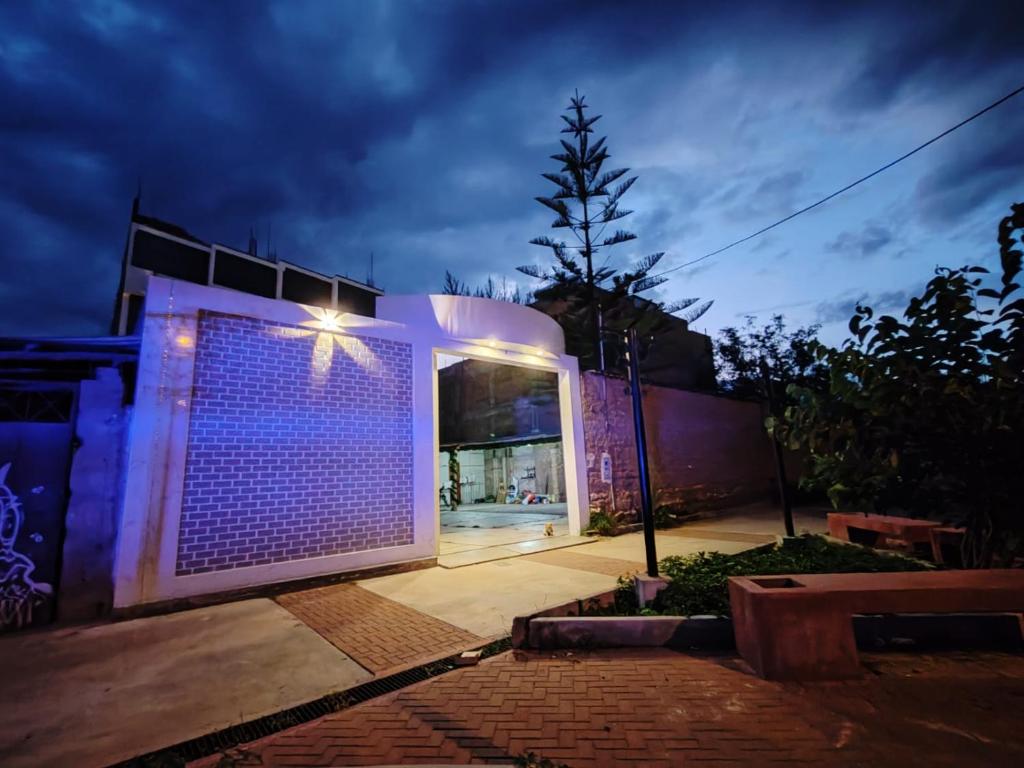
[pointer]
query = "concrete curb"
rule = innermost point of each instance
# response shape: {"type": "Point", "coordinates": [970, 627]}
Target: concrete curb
{"type": "Point", "coordinates": [917, 632]}
{"type": "Point", "coordinates": [521, 624]}
{"type": "Point", "coordinates": [678, 632]}
{"type": "Point", "coordinates": [565, 626]}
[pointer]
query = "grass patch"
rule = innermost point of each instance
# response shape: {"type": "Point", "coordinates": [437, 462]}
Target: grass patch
{"type": "Point", "coordinates": [699, 584]}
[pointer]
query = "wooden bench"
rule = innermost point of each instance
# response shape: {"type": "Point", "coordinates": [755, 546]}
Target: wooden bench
{"type": "Point", "coordinates": [800, 627]}
{"type": "Point", "coordinates": [905, 534]}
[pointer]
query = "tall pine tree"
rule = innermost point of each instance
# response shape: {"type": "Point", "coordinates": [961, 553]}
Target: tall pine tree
{"type": "Point", "coordinates": [586, 202]}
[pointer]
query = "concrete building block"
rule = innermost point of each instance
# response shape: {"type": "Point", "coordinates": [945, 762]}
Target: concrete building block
{"type": "Point", "coordinates": [648, 587]}
{"type": "Point", "coordinates": [96, 484]}
{"type": "Point", "coordinates": [551, 633]}
{"type": "Point", "coordinates": [583, 632]}
{"type": "Point", "coordinates": [468, 658]}
{"type": "Point", "coordinates": [800, 627]}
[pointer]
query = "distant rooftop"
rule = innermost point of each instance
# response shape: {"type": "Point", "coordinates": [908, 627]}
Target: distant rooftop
{"type": "Point", "coordinates": [157, 247]}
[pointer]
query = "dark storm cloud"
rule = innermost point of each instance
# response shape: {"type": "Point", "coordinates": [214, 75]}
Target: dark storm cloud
{"type": "Point", "coordinates": [931, 46]}
{"type": "Point", "coordinates": [773, 195]}
{"type": "Point", "coordinates": [241, 114]}
{"type": "Point", "coordinates": [981, 167]}
{"type": "Point", "coordinates": [416, 130]}
{"type": "Point", "coordinates": [862, 243]}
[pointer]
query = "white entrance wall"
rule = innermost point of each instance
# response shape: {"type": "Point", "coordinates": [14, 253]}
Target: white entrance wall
{"type": "Point", "coordinates": [164, 528]}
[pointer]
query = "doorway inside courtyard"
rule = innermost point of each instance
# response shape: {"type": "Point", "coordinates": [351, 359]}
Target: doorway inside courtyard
{"type": "Point", "coordinates": [501, 461]}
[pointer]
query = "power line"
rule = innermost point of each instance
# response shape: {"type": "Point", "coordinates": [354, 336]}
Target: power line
{"type": "Point", "coordinates": [848, 187]}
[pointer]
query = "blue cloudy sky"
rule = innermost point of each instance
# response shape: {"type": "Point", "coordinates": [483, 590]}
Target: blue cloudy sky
{"type": "Point", "coordinates": [418, 130]}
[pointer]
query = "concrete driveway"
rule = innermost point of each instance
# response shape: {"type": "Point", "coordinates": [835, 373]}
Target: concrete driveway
{"type": "Point", "coordinates": [91, 696]}
{"type": "Point", "coordinates": [97, 695]}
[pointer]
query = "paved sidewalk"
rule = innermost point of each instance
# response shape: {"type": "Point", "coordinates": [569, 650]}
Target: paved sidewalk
{"type": "Point", "coordinates": [663, 709]}
{"type": "Point", "coordinates": [90, 696]}
{"type": "Point", "coordinates": [484, 598]}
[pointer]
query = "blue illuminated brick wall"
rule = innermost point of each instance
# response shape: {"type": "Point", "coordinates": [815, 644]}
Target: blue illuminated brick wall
{"type": "Point", "coordinates": [299, 446]}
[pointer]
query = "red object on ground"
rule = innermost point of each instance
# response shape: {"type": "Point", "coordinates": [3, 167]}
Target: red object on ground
{"type": "Point", "coordinates": [900, 533]}
{"type": "Point", "coordinates": [800, 627]}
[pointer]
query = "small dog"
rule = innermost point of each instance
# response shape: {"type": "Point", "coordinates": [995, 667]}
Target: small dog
{"type": "Point", "coordinates": [549, 530]}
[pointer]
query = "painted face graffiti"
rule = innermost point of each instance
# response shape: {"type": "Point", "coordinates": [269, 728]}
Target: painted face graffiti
{"type": "Point", "coordinates": [20, 595]}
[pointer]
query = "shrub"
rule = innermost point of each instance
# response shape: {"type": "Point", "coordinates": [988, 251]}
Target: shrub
{"type": "Point", "coordinates": [698, 584]}
{"type": "Point", "coordinates": [602, 523]}
{"type": "Point", "coordinates": [924, 414]}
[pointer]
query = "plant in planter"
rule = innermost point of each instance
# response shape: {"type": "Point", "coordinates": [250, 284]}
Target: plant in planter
{"type": "Point", "coordinates": [699, 583]}
{"type": "Point", "coordinates": [924, 415]}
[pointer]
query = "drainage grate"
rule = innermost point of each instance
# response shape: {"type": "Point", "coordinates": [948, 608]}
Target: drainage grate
{"type": "Point", "coordinates": [211, 744]}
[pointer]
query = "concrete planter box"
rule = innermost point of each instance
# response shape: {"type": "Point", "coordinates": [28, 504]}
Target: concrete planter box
{"type": "Point", "coordinates": [899, 631]}
{"type": "Point", "coordinates": [679, 632]}
{"type": "Point", "coordinates": [564, 627]}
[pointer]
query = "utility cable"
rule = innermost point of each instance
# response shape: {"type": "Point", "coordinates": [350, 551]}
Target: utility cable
{"type": "Point", "coordinates": [848, 187]}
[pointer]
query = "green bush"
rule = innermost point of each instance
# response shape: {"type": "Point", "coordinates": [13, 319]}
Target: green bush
{"type": "Point", "coordinates": [602, 523]}
{"type": "Point", "coordinates": [923, 414]}
{"type": "Point", "coordinates": [699, 583]}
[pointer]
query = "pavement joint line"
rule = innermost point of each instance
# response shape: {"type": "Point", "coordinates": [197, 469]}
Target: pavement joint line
{"type": "Point", "coordinates": [511, 555]}
{"type": "Point", "coordinates": [267, 725]}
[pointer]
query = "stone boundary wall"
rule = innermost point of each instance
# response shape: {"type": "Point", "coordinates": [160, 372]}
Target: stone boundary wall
{"type": "Point", "coordinates": [705, 450]}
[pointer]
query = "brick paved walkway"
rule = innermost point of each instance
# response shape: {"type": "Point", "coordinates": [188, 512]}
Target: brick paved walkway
{"type": "Point", "coordinates": [661, 709]}
{"type": "Point", "coordinates": [380, 634]}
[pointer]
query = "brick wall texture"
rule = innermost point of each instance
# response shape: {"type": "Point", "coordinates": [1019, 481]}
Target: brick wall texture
{"type": "Point", "coordinates": [299, 446]}
{"type": "Point", "coordinates": [704, 450]}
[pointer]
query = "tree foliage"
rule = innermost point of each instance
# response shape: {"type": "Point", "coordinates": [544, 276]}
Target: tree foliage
{"type": "Point", "coordinates": [788, 355]}
{"type": "Point", "coordinates": [491, 289]}
{"type": "Point", "coordinates": [925, 414]}
{"type": "Point", "coordinates": [587, 203]}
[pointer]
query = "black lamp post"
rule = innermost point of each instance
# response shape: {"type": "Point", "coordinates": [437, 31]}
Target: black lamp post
{"type": "Point", "coordinates": [631, 343]}
{"type": "Point", "coordinates": [780, 463]}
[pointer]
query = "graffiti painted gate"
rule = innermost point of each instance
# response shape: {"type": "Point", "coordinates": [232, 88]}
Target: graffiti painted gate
{"type": "Point", "coordinates": [35, 453]}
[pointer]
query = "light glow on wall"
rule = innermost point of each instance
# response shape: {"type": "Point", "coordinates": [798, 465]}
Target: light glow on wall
{"type": "Point", "coordinates": [333, 321]}
{"type": "Point", "coordinates": [511, 347]}
{"type": "Point", "coordinates": [329, 327]}
{"type": "Point", "coordinates": [323, 356]}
